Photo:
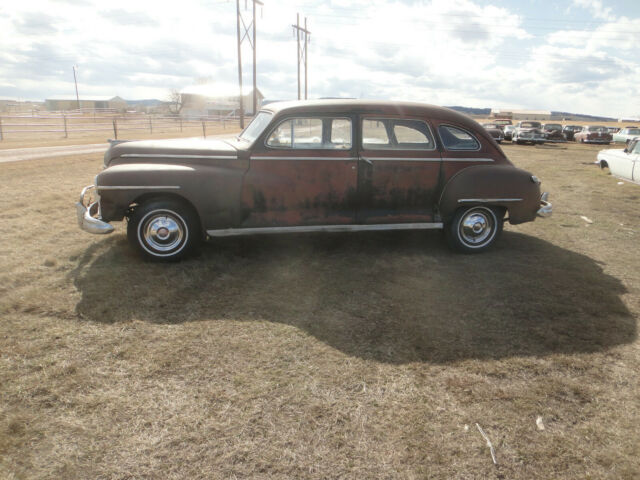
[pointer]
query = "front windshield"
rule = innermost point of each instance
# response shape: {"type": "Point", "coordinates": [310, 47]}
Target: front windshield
{"type": "Point", "coordinates": [256, 127]}
{"type": "Point", "coordinates": [597, 128]}
{"type": "Point", "coordinates": [553, 126]}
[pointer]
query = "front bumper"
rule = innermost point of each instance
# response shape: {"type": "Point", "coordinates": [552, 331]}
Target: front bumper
{"type": "Point", "coordinates": [546, 208]}
{"type": "Point", "coordinates": [89, 215]}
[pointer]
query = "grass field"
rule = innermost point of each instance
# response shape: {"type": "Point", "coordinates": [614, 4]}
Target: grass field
{"type": "Point", "coordinates": [322, 356]}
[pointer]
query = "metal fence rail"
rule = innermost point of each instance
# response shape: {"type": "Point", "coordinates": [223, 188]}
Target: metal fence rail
{"type": "Point", "coordinates": [23, 126]}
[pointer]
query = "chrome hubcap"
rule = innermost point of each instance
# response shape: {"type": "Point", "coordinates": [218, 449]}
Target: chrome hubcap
{"type": "Point", "coordinates": [476, 227]}
{"type": "Point", "coordinates": [163, 232]}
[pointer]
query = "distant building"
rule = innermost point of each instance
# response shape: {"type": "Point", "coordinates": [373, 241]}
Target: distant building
{"type": "Point", "coordinates": [212, 100]}
{"type": "Point", "coordinates": [89, 103]}
{"type": "Point", "coordinates": [521, 114]}
{"type": "Point", "coordinates": [14, 106]}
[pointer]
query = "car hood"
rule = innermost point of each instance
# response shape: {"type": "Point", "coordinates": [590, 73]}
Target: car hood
{"type": "Point", "coordinates": [182, 149]}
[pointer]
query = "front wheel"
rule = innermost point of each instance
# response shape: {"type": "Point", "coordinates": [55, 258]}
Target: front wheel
{"type": "Point", "coordinates": [163, 230]}
{"type": "Point", "coordinates": [474, 229]}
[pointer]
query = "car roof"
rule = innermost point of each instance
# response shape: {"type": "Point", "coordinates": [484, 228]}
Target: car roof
{"type": "Point", "coordinates": [380, 107]}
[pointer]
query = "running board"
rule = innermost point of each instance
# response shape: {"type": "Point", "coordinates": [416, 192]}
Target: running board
{"type": "Point", "coordinates": [232, 232]}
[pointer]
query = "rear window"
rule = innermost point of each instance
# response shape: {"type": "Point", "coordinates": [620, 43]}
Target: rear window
{"type": "Point", "coordinates": [454, 138]}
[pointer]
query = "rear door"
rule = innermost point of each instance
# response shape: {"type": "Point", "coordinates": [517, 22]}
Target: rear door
{"type": "Point", "coordinates": [398, 170]}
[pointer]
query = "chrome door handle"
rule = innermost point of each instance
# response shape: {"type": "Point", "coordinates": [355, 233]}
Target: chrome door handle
{"type": "Point", "coordinates": [367, 160]}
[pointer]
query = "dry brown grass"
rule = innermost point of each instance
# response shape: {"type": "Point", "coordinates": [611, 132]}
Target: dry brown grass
{"type": "Point", "coordinates": [326, 356]}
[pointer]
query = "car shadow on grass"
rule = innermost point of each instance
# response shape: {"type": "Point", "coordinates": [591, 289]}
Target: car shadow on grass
{"type": "Point", "coordinates": [390, 296]}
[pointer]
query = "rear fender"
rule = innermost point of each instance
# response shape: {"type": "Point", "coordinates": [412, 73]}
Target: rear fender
{"type": "Point", "coordinates": [504, 186]}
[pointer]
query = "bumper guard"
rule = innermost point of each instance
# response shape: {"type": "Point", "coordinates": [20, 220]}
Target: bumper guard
{"type": "Point", "coordinates": [546, 208]}
{"type": "Point", "coordinates": [86, 219]}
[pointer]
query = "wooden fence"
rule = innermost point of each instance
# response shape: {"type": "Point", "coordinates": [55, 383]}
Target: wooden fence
{"type": "Point", "coordinates": [71, 124]}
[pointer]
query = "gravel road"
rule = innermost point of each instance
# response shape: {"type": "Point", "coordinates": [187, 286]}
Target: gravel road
{"type": "Point", "coordinates": [19, 154]}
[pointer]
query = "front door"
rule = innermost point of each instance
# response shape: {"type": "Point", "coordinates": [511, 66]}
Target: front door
{"type": "Point", "coordinates": [305, 173]}
{"type": "Point", "coordinates": [398, 171]}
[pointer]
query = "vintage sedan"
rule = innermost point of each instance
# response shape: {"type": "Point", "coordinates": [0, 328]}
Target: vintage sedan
{"type": "Point", "coordinates": [593, 134]}
{"type": "Point", "coordinates": [495, 131]}
{"type": "Point", "coordinates": [327, 165]}
{"type": "Point", "coordinates": [570, 130]}
{"type": "Point", "coordinates": [528, 132]}
{"type": "Point", "coordinates": [626, 134]}
{"type": "Point", "coordinates": [553, 132]}
{"type": "Point", "coordinates": [622, 163]}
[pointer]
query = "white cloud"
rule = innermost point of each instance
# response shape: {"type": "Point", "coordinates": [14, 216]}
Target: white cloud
{"type": "Point", "coordinates": [448, 52]}
{"type": "Point", "coordinates": [597, 9]}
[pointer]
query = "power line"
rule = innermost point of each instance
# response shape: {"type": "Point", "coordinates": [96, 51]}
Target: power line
{"type": "Point", "coordinates": [302, 52]}
{"type": "Point", "coordinates": [252, 41]}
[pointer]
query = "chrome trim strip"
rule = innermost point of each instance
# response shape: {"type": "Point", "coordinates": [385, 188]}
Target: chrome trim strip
{"type": "Point", "coordinates": [467, 160]}
{"type": "Point", "coordinates": [138, 187]}
{"type": "Point", "coordinates": [161, 155]}
{"type": "Point", "coordinates": [230, 232]}
{"type": "Point", "coordinates": [303, 158]}
{"type": "Point", "coordinates": [405, 159]}
{"type": "Point", "coordinates": [396, 159]}
{"type": "Point", "coordinates": [488, 200]}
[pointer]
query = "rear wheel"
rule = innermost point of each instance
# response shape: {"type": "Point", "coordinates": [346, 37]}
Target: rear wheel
{"type": "Point", "coordinates": [474, 229]}
{"type": "Point", "coordinates": [164, 230]}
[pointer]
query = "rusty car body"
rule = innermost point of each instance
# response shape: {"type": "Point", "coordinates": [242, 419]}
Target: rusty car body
{"type": "Point", "coordinates": [553, 132]}
{"type": "Point", "coordinates": [593, 134]}
{"type": "Point", "coordinates": [327, 165]}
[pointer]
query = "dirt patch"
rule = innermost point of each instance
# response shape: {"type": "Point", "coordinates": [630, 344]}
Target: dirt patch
{"type": "Point", "coordinates": [366, 355]}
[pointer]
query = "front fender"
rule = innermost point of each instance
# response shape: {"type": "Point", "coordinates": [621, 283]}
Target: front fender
{"type": "Point", "coordinates": [517, 191]}
{"type": "Point", "coordinates": [213, 190]}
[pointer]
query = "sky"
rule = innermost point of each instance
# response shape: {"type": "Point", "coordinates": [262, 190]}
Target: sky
{"type": "Point", "coordinates": [579, 56]}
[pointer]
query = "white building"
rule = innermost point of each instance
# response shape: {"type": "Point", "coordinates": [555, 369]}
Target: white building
{"type": "Point", "coordinates": [217, 99]}
{"type": "Point", "coordinates": [521, 114]}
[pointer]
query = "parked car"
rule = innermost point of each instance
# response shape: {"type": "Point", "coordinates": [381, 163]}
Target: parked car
{"type": "Point", "coordinates": [494, 131]}
{"type": "Point", "coordinates": [528, 132]}
{"type": "Point", "coordinates": [553, 132]}
{"type": "Point", "coordinates": [622, 163]}
{"type": "Point", "coordinates": [326, 165]}
{"type": "Point", "coordinates": [502, 122]}
{"type": "Point", "coordinates": [593, 134]}
{"type": "Point", "coordinates": [626, 134]}
{"type": "Point", "coordinates": [571, 130]}
{"type": "Point", "coordinates": [508, 132]}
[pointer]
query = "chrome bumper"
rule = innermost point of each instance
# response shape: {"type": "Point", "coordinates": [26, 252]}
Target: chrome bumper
{"type": "Point", "coordinates": [546, 208]}
{"type": "Point", "coordinates": [86, 219]}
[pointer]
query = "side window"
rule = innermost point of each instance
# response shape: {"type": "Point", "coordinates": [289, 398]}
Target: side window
{"type": "Point", "coordinates": [457, 139]}
{"type": "Point", "coordinates": [374, 134]}
{"type": "Point", "coordinates": [312, 133]}
{"type": "Point", "coordinates": [340, 133]}
{"type": "Point", "coordinates": [397, 134]}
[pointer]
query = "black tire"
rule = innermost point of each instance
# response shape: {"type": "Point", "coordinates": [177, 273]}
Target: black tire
{"type": "Point", "coordinates": [164, 230]}
{"type": "Point", "coordinates": [474, 229]}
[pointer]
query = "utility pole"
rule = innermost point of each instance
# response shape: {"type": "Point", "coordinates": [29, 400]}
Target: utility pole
{"type": "Point", "coordinates": [302, 51]}
{"type": "Point", "coordinates": [75, 80]}
{"type": "Point", "coordinates": [252, 41]}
